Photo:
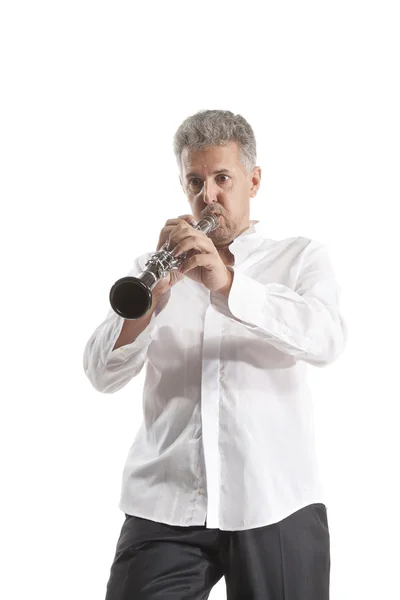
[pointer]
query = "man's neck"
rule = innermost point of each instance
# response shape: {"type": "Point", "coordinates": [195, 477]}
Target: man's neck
{"type": "Point", "coordinates": [227, 256]}
{"type": "Point", "coordinates": [224, 252]}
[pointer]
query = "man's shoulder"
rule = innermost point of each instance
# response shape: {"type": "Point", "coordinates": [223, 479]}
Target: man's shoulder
{"type": "Point", "coordinates": [289, 243]}
{"type": "Point", "coordinates": [289, 250]}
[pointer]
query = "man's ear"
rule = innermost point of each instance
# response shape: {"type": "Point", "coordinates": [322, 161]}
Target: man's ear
{"type": "Point", "coordinates": [256, 181]}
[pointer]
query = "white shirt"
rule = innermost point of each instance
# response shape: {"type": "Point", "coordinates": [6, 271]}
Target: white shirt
{"type": "Point", "coordinates": [227, 433]}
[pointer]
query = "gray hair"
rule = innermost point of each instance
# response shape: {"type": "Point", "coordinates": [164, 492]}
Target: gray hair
{"type": "Point", "coordinates": [217, 128]}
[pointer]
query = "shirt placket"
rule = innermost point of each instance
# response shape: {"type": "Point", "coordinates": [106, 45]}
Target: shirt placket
{"type": "Point", "coordinates": [210, 398]}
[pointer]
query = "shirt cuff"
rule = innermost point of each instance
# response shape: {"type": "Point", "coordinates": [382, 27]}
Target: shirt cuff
{"type": "Point", "coordinates": [245, 297]}
{"type": "Point", "coordinates": [248, 303]}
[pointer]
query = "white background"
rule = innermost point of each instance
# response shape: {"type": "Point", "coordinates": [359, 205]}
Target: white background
{"type": "Point", "coordinates": [91, 95]}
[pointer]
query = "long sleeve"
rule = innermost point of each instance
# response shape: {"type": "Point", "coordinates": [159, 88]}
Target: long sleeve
{"type": "Point", "coordinates": [304, 322]}
{"type": "Point", "coordinates": [110, 370]}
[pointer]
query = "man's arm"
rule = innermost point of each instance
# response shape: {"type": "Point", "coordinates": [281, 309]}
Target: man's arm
{"type": "Point", "coordinates": [304, 322]}
{"type": "Point", "coordinates": [117, 349]}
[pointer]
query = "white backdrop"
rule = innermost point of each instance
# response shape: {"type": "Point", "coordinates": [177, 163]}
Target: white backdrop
{"type": "Point", "coordinates": [92, 93]}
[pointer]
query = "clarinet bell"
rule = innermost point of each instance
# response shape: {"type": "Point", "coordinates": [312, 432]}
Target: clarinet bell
{"type": "Point", "coordinates": [130, 297]}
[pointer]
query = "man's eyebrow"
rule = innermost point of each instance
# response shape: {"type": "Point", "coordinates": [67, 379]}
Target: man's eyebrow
{"type": "Point", "coordinates": [193, 174]}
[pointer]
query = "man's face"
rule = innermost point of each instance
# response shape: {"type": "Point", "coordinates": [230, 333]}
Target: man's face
{"type": "Point", "coordinates": [215, 181]}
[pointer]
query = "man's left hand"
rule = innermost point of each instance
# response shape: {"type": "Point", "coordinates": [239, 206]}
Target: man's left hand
{"type": "Point", "coordinates": [203, 262]}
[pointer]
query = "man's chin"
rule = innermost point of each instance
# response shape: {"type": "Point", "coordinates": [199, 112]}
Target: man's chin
{"type": "Point", "coordinates": [220, 238]}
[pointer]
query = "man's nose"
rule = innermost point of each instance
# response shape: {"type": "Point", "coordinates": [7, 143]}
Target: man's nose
{"type": "Point", "coordinates": [209, 193]}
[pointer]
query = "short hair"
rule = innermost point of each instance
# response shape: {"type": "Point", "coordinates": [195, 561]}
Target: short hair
{"type": "Point", "coordinates": [217, 128]}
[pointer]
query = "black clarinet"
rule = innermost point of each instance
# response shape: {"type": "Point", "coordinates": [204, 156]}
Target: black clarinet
{"type": "Point", "coordinates": [131, 297]}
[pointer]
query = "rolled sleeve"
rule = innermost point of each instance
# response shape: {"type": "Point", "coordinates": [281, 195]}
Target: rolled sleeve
{"type": "Point", "coordinates": [304, 322]}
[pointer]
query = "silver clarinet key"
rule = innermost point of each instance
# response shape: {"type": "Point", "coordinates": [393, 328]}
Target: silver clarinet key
{"type": "Point", "coordinates": [131, 297]}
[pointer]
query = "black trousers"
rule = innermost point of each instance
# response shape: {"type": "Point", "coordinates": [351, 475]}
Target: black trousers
{"type": "Point", "coordinates": [289, 560]}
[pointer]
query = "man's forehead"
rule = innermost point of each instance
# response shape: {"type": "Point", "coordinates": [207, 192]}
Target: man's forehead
{"type": "Point", "coordinates": [201, 167]}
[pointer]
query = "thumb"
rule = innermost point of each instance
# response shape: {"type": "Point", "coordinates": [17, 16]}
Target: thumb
{"type": "Point", "coordinates": [188, 218]}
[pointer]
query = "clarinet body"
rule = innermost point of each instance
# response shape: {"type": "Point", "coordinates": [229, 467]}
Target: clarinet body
{"type": "Point", "coordinates": [131, 297]}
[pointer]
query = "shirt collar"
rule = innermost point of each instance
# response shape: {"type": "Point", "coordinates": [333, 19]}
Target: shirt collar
{"type": "Point", "coordinates": [246, 242]}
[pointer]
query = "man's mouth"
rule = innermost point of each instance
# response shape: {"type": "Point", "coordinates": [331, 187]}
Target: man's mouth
{"type": "Point", "coordinates": [211, 212]}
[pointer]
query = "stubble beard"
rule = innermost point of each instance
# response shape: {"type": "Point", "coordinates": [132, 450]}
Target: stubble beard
{"type": "Point", "coordinates": [223, 236]}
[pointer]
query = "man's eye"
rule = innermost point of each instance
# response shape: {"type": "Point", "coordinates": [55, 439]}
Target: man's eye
{"type": "Point", "coordinates": [224, 176]}
{"type": "Point", "coordinates": [195, 183]}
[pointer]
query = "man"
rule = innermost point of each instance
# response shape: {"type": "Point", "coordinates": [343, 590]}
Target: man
{"type": "Point", "coordinates": [222, 479]}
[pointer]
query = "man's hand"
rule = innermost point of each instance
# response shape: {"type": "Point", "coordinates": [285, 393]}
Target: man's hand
{"type": "Point", "coordinates": [170, 226]}
{"type": "Point", "coordinates": [203, 262]}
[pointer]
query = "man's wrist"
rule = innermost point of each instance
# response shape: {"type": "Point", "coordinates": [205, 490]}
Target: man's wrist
{"type": "Point", "coordinates": [155, 300]}
{"type": "Point", "coordinates": [227, 288]}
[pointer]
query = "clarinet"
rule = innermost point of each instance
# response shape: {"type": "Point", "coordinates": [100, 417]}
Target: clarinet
{"type": "Point", "coordinates": [131, 297]}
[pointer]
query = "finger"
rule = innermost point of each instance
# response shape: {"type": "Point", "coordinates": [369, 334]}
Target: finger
{"type": "Point", "coordinates": [180, 243]}
{"type": "Point", "coordinates": [180, 232]}
{"type": "Point", "coordinates": [198, 260]}
{"type": "Point", "coordinates": [171, 225]}
{"type": "Point", "coordinates": [187, 218]}
{"type": "Point", "coordinates": [164, 235]}
{"type": "Point", "coordinates": [175, 234]}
